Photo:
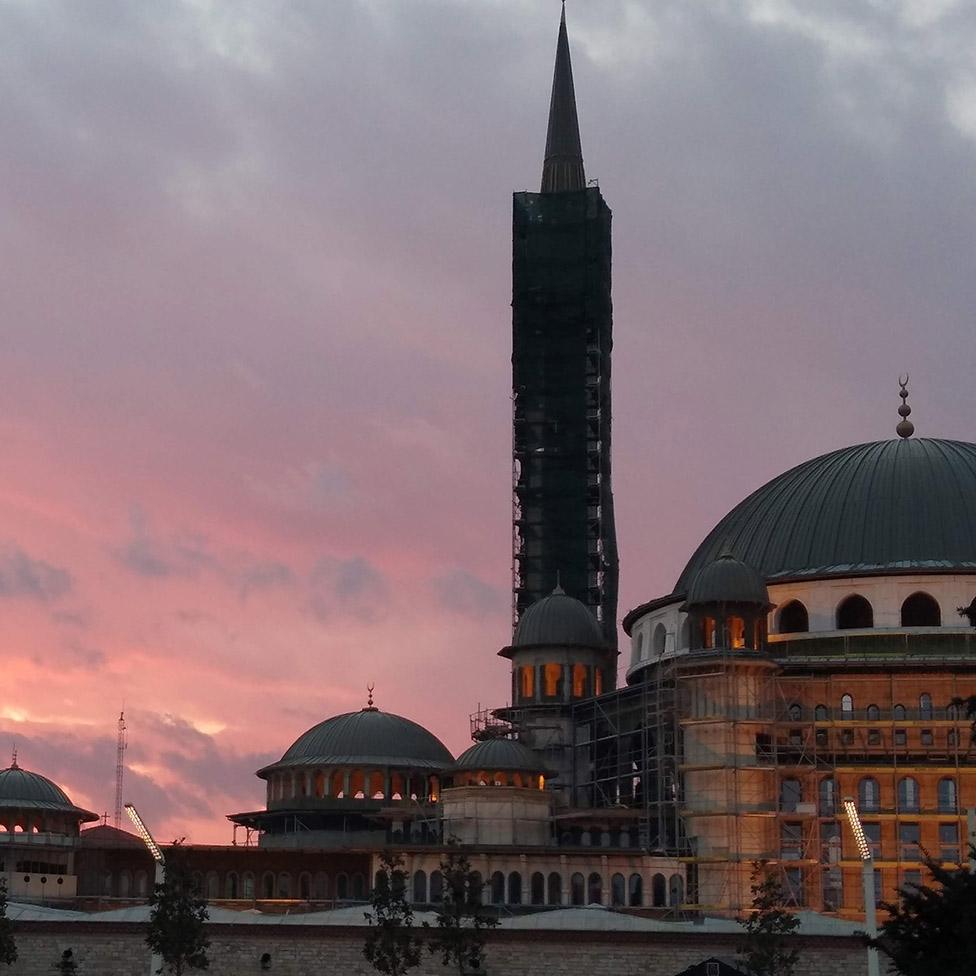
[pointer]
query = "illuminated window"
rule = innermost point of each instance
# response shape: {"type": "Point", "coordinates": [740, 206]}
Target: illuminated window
{"type": "Point", "coordinates": [868, 794]}
{"type": "Point", "coordinates": [737, 632]}
{"type": "Point", "coordinates": [925, 705]}
{"type": "Point", "coordinates": [552, 678]}
{"type": "Point", "coordinates": [708, 632]}
{"type": "Point", "coordinates": [846, 706]}
{"type": "Point", "coordinates": [579, 680]}
{"type": "Point", "coordinates": [527, 676]}
{"type": "Point", "coordinates": [908, 794]}
{"type": "Point", "coordinates": [598, 680]}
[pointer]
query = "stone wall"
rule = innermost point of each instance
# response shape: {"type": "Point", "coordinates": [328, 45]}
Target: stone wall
{"type": "Point", "coordinates": [118, 949]}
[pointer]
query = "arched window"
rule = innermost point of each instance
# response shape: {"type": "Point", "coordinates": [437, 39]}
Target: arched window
{"type": "Point", "coordinates": [436, 887]}
{"type": "Point", "coordinates": [908, 795]}
{"type": "Point", "coordinates": [684, 634]}
{"type": "Point", "coordinates": [554, 889]}
{"type": "Point", "coordinates": [498, 888]}
{"type": "Point", "coordinates": [515, 888]}
{"type": "Point", "coordinates": [213, 886]}
{"type": "Point", "coordinates": [855, 613]}
{"type": "Point", "coordinates": [594, 889]}
{"type": "Point", "coordinates": [537, 888]}
{"type": "Point", "coordinates": [947, 795]}
{"type": "Point", "coordinates": [305, 886]}
{"type": "Point", "coordinates": [953, 711]}
{"type": "Point", "coordinates": [795, 712]}
{"type": "Point", "coordinates": [358, 886]}
{"type": "Point", "coordinates": [342, 887]}
{"type": "Point", "coordinates": [552, 675]}
{"type": "Point", "coordinates": [660, 640]}
{"type": "Point", "coordinates": [142, 884]}
{"type": "Point", "coordinates": [635, 891]}
{"type": "Point", "coordinates": [527, 682]}
{"type": "Point", "coordinates": [708, 632]}
{"type": "Point", "coordinates": [618, 890]}
{"type": "Point", "coordinates": [846, 706]}
{"type": "Point", "coordinates": [828, 797]}
{"type": "Point", "coordinates": [921, 610]}
{"type": "Point", "coordinates": [873, 713]}
{"type": "Point", "coordinates": [898, 712]}
{"type": "Point", "coordinates": [247, 886]}
{"type": "Point", "coordinates": [579, 681]}
{"type": "Point", "coordinates": [320, 886]}
{"type": "Point", "coordinates": [230, 885]}
{"type": "Point", "coordinates": [577, 890]}
{"type": "Point", "coordinates": [639, 647]}
{"type": "Point", "coordinates": [267, 885]}
{"type": "Point", "coordinates": [790, 794]}
{"type": "Point", "coordinates": [868, 795]}
{"type": "Point", "coordinates": [677, 890]}
{"type": "Point", "coordinates": [476, 887]}
{"type": "Point", "coordinates": [925, 705]}
{"type": "Point", "coordinates": [659, 891]}
{"type": "Point", "coordinates": [420, 887]}
{"type": "Point", "coordinates": [736, 628]}
{"type": "Point", "coordinates": [820, 713]}
{"type": "Point", "coordinates": [284, 885]}
{"type": "Point", "coordinates": [125, 884]}
{"type": "Point", "coordinates": [794, 619]}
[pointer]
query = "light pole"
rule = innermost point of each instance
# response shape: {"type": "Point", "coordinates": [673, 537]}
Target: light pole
{"type": "Point", "coordinates": [867, 880]}
{"type": "Point", "coordinates": [155, 960]}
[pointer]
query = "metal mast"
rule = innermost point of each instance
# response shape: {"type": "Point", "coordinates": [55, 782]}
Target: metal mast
{"type": "Point", "coordinates": [119, 770]}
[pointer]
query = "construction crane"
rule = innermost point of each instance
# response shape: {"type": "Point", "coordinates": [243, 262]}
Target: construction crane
{"type": "Point", "coordinates": [119, 770]}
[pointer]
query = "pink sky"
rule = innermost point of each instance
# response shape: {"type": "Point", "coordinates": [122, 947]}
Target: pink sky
{"type": "Point", "coordinates": [255, 335]}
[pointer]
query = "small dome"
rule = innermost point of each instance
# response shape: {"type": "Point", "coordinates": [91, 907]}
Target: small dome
{"type": "Point", "coordinates": [500, 755]}
{"type": "Point", "coordinates": [727, 580]}
{"type": "Point", "coordinates": [366, 738]}
{"type": "Point", "coordinates": [23, 790]}
{"type": "Point", "coordinates": [558, 620]}
{"type": "Point", "coordinates": [104, 835]}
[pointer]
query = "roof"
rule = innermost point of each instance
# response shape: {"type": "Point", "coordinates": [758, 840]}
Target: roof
{"type": "Point", "coordinates": [501, 755]}
{"type": "Point", "coordinates": [727, 580]}
{"type": "Point", "coordinates": [558, 620]}
{"type": "Point", "coordinates": [368, 738]}
{"type": "Point", "coordinates": [103, 835]}
{"type": "Point", "coordinates": [903, 505]}
{"type": "Point", "coordinates": [21, 789]}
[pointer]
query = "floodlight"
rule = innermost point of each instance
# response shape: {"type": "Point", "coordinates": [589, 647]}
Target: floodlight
{"type": "Point", "coordinates": [863, 848]}
{"type": "Point", "coordinates": [147, 838]}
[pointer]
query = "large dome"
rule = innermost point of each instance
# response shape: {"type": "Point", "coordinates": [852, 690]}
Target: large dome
{"type": "Point", "coordinates": [558, 620]}
{"type": "Point", "coordinates": [906, 505]}
{"type": "Point", "coordinates": [367, 738]}
{"type": "Point", "coordinates": [23, 790]}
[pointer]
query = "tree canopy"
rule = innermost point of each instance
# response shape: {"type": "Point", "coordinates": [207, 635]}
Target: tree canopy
{"type": "Point", "coordinates": [392, 946]}
{"type": "Point", "coordinates": [176, 923]}
{"type": "Point", "coordinates": [766, 947]}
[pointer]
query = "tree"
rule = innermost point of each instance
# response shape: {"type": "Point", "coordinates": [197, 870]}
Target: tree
{"type": "Point", "coordinates": [66, 965]}
{"type": "Point", "coordinates": [176, 923]}
{"type": "Point", "coordinates": [391, 945]}
{"type": "Point", "coordinates": [769, 927]}
{"type": "Point", "coordinates": [8, 947]}
{"type": "Point", "coordinates": [459, 937]}
{"type": "Point", "coordinates": [932, 930]}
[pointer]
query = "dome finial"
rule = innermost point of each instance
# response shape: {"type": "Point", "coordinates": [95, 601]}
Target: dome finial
{"type": "Point", "coordinates": [13, 757]}
{"type": "Point", "coordinates": [558, 591]}
{"type": "Point", "coordinates": [905, 427]}
{"type": "Point", "coordinates": [370, 707]}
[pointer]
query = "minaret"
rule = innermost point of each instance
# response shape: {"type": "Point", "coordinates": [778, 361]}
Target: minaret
{"type": "Point", "coordinates": [563, 526]}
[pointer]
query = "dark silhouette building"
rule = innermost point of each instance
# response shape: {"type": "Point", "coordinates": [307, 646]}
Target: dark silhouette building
{"type": "Point", "coordinates": [563, 526]}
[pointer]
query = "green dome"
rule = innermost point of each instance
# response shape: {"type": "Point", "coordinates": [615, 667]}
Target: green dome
{"type": "Point", "coordinates": [21, 789]}
{"type": "Point", "coordinates": [366, 738]}
{"type": "Point", "coordinates": [500, 755]}
{"type": "Point", "coordinates": [727, 580]}
{"type": "Point", "coordinates": [558, 620]}
{"type": "Point", "coordinates": [906, 505]}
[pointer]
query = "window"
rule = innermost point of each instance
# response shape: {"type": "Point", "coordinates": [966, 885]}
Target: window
{"type": "Point", "coordinates": [872, 834]}
{"type": "Point", "coordinates": [793, 618]}
{"type": "Point", "coordinates": [476, 887]}
{"type": "Point", "coordinates": [515, 888]}
{"type": "Point", "coordinates": [874, 737]}
{"type": "Point", "coordinates": [833, 890]}
{"type": "Point", "coordinates": [846, 706]}
{"type": "Point", "coordinates": [952, 738]}
{"type": "Point", "coordinates": [873, 713]}
{"type": "Point", "coordinates": [920, 610]}
{"type": "Point", "coordinates": [821, 737]}
{"type": "Point", "coordinates": [828, 794]}
{"type": "Point", "coordinates": [947, 795]}
{"type": "Point", "coordinates": [855, 613]}
{"type": "Point", "coordinates": [790, 794]}
{"type": "Point", "coordinates": [498, 888]}
{"type": "Point", "coordinates": [911, 879]}
{"type": "Point", "coordinates": [907, 794]}
{"type": "Point", "coordinates": [791, 841]}
{"type": "Point", "coordinates": [420, 887]}
{"type": "Point", "coordinates": [594, 889]}
{"type": "Point", "coordinates": [830, 842]}
{"type": "Point", "coordinates": [576, 889]}
{"type": "Point", "coordinates": [877, 886]}
{"type": "Point", "coordinates": [537, 889]}
{"type": "Point", "coordinates": [230, 885]}
{"type": "Point", "coordinates": [247, 885]}
{"type": "Point", "coordinates": [795, 712]}
{"type": "Point", "coordinates": [553, 680]}
{"type": "Point", "coordinates": [660, 640]}
{"type": "Point", "coordinates": [708, 632]}
{"type": "Point", "coordinates": [925, 737]}
{"type": "Point", "coordinates": [868, 794]}
{"type": "Point", "coordinates": [737, 631]}
{"type": "Point", "coordinates": [358, 886]}
{"type": "Point", "coordinates": [554, 889]}
{"type": "Point", "coordinates": [676, 890]}
{"type": "Point", "coordinates": [684, 639]}
{"type": "Point", "coordinates": [635, 891]}
{"type": "Point", "coordinates": [527, 682]}
{"type": "Point", "coordinates": [952, 711]}
{"type": "Point", "coordinates": [925, 706]}
{"type": "Point", "coordinates": [909, 838]}
{"type": "Point", "coordinates": [949, 842]}
{"type": "Point", "coordinates": [901, 737]}
{"type": "Point", "coordinates": [305, 886]}
{"type": "Point", "coordinates": [820, 713]}
{"type": "Point", "coordinates": [618, 890]}
{"type": "Point", "coordinates": [342, 887]}
{"type": "Point", "coordinates": [284, 885]}
{"type": "Point", "coordinates": [847, 737]}
{"type": "Point", "coordinates": [659, 891]}
{"type": "Point", "coordinates": [639, 647]}
{"type": "Point", "coordinates": [436, 887]}
{"type": "Point", "coordinates": [898, 713]}
{"type": "Point", "coordinates": [579, 681]}
{"type": "Point", "coordinates": [794, 886]}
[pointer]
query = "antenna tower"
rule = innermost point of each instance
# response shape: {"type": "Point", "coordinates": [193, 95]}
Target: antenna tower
{"type": "Point", "coordinates": [119, 771]}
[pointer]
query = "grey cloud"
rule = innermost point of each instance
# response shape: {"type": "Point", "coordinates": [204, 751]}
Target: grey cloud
{"type": "Point", "coordinates": [462, 592]}
{"type": "Point", "coordinates": [347, 587]}
{"type": "Point", "coordinates": [21, 575]}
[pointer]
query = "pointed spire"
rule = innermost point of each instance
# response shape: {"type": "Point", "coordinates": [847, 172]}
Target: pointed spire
{"type": "Point", "coordinates": [563, 166]}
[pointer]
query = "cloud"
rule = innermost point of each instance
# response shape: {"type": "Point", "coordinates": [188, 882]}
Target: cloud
{"type": "Point", "coordinates": [21, 575]}
{"type": "Point", "coordinates": [347, 587]}
{"type": "Point", "coordinates": [462, 592]}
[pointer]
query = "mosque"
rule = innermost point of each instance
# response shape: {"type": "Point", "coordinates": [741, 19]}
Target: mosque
{"type": "Point", "coordinates": [815, 647]}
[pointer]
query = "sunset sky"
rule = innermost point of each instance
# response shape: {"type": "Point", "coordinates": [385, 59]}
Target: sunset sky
{"type": "Point", "coordinates": [255, 334]}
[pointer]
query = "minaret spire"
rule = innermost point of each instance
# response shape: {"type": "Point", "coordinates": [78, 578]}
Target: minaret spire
{"type": "Point", "coordinates": [563, 166]}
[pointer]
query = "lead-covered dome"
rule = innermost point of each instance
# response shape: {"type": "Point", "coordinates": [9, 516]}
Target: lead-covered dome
{"type": "Point", "coordinates": [366, 738]}
{"type": "Point", "coordinates": [558, 620]}
{"type": "Point", "coordinates": [906, 505]}
{"type": "Point", "coordinates": [23, 790]}
{"type": "Point", "coordinates": [728, 580]}
{"type": "Point", "coordinates": [507, 755]}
